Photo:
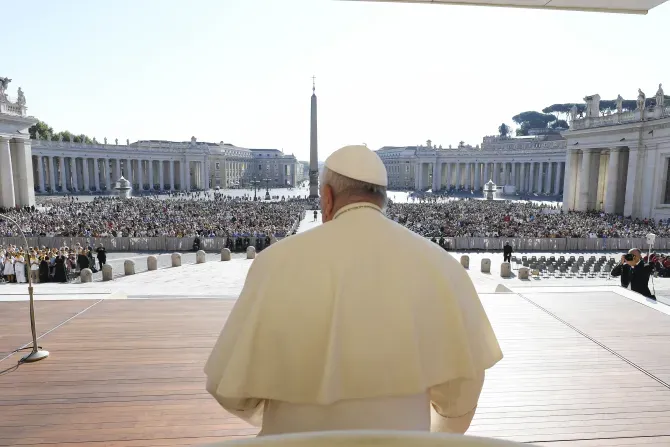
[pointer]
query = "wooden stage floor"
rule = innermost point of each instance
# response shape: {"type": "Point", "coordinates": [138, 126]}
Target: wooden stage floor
{"type": "Point", "coordinates": [582, 369]}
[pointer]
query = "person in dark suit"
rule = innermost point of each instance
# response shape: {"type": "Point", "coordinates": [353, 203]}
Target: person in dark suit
{"type": "Point", "coordinates": [634, 272]}
{"type": "Point", "coordinates": [507, 252]}
{"type": "Point", "coordinates": [82, 261]}
{"type": "Point", "coordinates": [102, 256]}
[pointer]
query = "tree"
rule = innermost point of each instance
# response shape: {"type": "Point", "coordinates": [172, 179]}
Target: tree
{"type": "Point", "coordinates": [42, 131]}
{"type": "Point", "coordinates": [532, 120]}
{"type": "Point", "coordinates": [504, 130]}
{"type": "Point", "coordinates": [560, 124]}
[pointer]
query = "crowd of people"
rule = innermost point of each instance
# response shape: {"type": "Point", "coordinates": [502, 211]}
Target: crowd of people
{"type": "Point", "coordinates": [481, 218]}
{"type": "Point", "coordinates": [217, 215]}
{"type": "Point", "coordinates": [151, 217]}
{"type": "Point", "coordinates": [47, 264]}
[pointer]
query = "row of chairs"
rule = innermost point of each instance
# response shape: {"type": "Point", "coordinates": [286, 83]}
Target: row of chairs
{"type": "Point", "coordinates": [570, 267]}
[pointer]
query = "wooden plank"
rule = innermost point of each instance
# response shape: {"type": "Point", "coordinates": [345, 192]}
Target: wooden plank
{"type": "Point", "coordinates": [129, 373]}
{"type": "Point", "coordinates": [15, 319]}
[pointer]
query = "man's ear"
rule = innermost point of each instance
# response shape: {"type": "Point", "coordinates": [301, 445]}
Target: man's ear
{"type": "Point", "coordinates": [327, 203]}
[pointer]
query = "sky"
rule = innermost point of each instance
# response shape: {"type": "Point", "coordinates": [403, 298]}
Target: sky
{"type": "Point", "coordinates": [240, 71]}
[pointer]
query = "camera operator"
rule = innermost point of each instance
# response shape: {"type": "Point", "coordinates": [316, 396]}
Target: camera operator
{"type": "Point", "coordinates": [634, 272]}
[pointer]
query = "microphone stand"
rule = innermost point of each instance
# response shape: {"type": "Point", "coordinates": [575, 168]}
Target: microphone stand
{"type": "Point", "coordinates": [36, 354]}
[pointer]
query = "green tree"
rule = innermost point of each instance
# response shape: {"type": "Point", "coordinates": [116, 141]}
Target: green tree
{"type": "Point", "coordinates": [504, 130]}
{"type": "Point", "coordinates": [40, 131]}
{"type": "Point", "coordinates": [532, 120]}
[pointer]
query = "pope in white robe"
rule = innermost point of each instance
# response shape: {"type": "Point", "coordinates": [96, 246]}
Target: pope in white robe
{"type": "Point", "coordinates": [357, 324]}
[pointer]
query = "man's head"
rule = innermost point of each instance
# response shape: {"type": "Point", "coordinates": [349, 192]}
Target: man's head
{"type": "Point", "coordinates": [350, 175]}
{"type": "Point", "coordinates": [636, 256]}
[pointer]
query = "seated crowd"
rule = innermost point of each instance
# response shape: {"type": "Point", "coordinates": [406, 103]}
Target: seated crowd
{"type": "Point", "coordinates": [151, 217]}
{"type": "Point", "coordinates": [506, 219]}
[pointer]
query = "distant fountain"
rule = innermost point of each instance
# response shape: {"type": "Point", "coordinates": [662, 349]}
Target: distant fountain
{"type": "Point", "coordinates": [490, 189]}
{"type": "Point", "coordinates": [123, 188]}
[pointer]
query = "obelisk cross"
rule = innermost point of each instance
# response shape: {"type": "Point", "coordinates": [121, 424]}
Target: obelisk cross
{"type": "Point", "coordinates": [313, 84]}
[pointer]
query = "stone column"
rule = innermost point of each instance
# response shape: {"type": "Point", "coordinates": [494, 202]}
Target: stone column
{"type": "Point", "coordinates": [61, 166]}
{"type": "Point", "coordinates": [417, 176]}
{"type": "Point", "coordinates": [486, 172]}
{"type": "Point", "coordinates": [108, 174]}
{"type": "Point", "coordinates": [612, 188]}
{"type": "Point", "coordinates": [84, 166]}
{"type": "Point", "coordinates": [151, 175]}
{"type": "Point", "coordinates": [171, 162]}
{"type": "Point", "coordinates": [7, 196]}
{"type": "Point", "coordinates": [557, 182]}
{"type": "Point", "coordinates": [52, 173]}
{"type": "Point", "coordinates": [129, 174]}
{"type": "Point", "coordinates": [40, 173]}
{"type": "Point", "coordinates": [531, 177]}
{"type": "Point", "coordinates": [96, 174]}
{"type": "Point", "coordinates": [184, 168]}
{"type": "Point", "coordinates": [547, 179]}
{"type": "Point", "coordinates": [161, 168]}
{"type": "Point", "coordinates": [540, 177]}
{"type": "Point", "coordinates": [478, 178]}
{"type": "Point", "coordinates": [522, 177]}
{"type": "Point", "coordinates": [73, 171]}
{"type": "Point", "coordinates": [570, 182]}
{"type": "Point", "coordinates": [630, 207]}
{"type": "Point", "coordinates": [458, 175]}
{"type": "Point", "coordinates": [448, 168]}
{"type": "Point", "coordinates": [584, 181]}
{"type": "Point", "coordinates": [437, 176]}
{"type": "Point", "coordinates": [140, 174]}
{"type": "Point", "coordinates": [496, 169]}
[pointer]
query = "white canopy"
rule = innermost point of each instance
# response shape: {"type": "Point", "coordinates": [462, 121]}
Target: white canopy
{"type": "Point", "coordinates": [621, 6]}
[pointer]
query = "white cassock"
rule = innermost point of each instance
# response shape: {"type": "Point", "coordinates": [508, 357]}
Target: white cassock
{"type": "Point", "coordinates": [20, 269]}
{"type": "Point", "coordinates": [356, 324]}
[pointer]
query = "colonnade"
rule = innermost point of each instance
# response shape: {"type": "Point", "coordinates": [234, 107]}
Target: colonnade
{"type": "Point", "coordinates": [76, 174]}
{"type": "Point", "coordinates": [598, 180]}
{"type": "Point", "coordinates": [542, 177]}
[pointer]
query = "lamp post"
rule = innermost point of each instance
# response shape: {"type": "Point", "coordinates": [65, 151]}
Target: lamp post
{"type": "Point", "coordinates": [255, 185]}
{"type": "Point", "coordinates": [36, 354]}
{"type": "Point", "coordinates": [267, 188]}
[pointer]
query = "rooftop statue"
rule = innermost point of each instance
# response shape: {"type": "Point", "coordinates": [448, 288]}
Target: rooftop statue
{"type": "Point", "coordinates": [660, 96]}
{"type": "Point", "coordinates": [21, 99]}
{"type": "Point", "coordinates": [4, 83]}
{"type": "Point", "coordinates": [641, 99]}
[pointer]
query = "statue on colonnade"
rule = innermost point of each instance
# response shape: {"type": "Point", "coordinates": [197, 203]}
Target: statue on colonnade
{"type": "Point", "coordinates": [21, 98]}
{"type": "Point", "coordinates": [641, 99]}
{"type": "Point", "coordinates": [4, 83]}
{"type": "Point", "coordinates": [619, 104]}
{"type": "Point", "coordinates": [660, 96]}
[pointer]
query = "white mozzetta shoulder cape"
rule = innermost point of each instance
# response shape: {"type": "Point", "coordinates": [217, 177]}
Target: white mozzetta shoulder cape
{"type": "Point", "coordinates": [359, 307]}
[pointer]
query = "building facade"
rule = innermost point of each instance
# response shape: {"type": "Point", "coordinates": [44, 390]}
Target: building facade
{"type": "Point", "coordinates": [620, 162]}
{"type": "Point", "coordinates": [525, 165]}
{"type": "Point", "coordinates": [153, 165]}
{"type": "Point", "coordinates": [16, 179]}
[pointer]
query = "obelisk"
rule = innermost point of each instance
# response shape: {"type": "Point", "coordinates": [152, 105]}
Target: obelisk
{"type": "Point", "coordinates": [313, 149]}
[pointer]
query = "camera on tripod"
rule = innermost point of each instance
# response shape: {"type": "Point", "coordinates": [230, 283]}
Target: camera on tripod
{"type": "Point", "coordinates": [629, 257]}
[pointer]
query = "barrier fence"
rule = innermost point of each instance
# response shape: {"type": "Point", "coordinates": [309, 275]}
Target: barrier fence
{"type": "Point", "coordinates": [170, 244]}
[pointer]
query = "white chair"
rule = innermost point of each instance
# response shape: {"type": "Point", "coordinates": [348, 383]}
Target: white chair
{"type": "Point", "coordinates": [367, 439]}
